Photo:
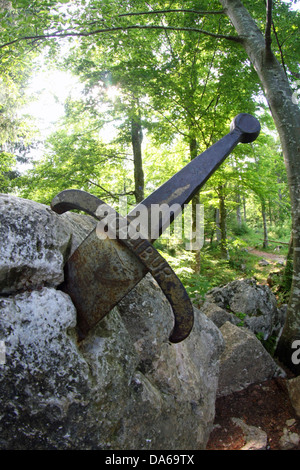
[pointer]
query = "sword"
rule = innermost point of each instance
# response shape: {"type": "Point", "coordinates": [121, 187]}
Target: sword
{"type": "Point", "coordinates": [104, 269]}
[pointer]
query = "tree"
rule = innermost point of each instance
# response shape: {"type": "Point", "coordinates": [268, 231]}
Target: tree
{"type": "Point", "coordinates": [7, 162]}
{"type": "Point", "coordinates": [286, 115]}
{"type": "Point", "coordinates": [76, 156]}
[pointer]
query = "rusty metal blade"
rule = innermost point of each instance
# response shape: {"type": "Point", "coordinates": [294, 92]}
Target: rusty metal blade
{"type": "Point", "coordinates": [97, 276]}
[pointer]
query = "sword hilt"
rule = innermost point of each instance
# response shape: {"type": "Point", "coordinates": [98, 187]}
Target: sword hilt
{"type": "Point", "coordinates": [154, 263]}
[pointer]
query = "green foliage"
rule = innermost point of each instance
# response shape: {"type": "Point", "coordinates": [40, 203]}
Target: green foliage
{"type": "Point", "coordinates": [281, 232]}
{"type": "Point", "coordinates": [270, 344]}
{"type": "Point", "coordinates": [78, 161]}
{"type": "Point", "coordinates": [7, 162]}
{"type": "Point", "coordinates": [241, 316]}
{"type": "Point", "coordinates": [239, 229]}
{"type": "Point", "coordinates": [181, 261]}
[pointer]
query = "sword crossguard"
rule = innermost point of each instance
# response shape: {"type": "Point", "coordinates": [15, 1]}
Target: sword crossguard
{"type": "Point", "coordinates": [168, 281]}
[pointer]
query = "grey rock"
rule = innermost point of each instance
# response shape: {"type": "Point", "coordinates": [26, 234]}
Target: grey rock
{"type": "Point", "coordinates": [244, 361]}
{"type": "Point", "coordinates": [256, 302]}
{"type": "Point", "coordinates": [35, 242]}
{"type": "Point", "coordinates": [116, 389]}
{"type": "Point", "coordinates": [263, 262]}
{"type": "Point", "coordinates": [256, 438]}
{"type": "Point", "coordinates": [289, 440]}
{"type": "Point", "coordinates": [186, 374]}
{"type": "Point", "coordinates": [218, 315]}
{"type": "Point", "coordinates": [293, 386]}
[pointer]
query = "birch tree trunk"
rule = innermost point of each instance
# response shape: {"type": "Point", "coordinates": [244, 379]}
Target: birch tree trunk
{"type": "Point", "coordinates": [218, 229]}
{"type": "Point", "coordinates": [238, 210]}
{"type": "Point", "coordinates": [286, 115]}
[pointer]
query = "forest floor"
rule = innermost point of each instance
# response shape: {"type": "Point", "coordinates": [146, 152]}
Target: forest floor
{"type": "Point", "coordinates": [265, 406]}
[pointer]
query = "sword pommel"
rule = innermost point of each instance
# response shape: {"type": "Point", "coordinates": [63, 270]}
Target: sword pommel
{"type": "Point", "coordinates": [247, 125]}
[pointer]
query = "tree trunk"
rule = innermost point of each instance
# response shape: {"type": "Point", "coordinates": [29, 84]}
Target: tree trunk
{"type": "Point", "coordinates": [195, 202]}
{"type": "Point", "coordinates": [238, 210]}
{"type": "Point", "coordinates": [136, 140]}
{"type": "Point", "coordinates": [244, 207]}
{"type": "Point", "coordinates": [218, 229]}
{"type": "Point", "coordinates": [286, 115]}
{"type": "Point", "coordinates": [223, 228]}
{"type": "Point", "coordinates": [288, 270]}
{"type": "Point", "coordinates": [213, 229]}
{"type": "Point", "coordinates": [270, 212]}
{"type": "Point", "coordinates": [264, 217]}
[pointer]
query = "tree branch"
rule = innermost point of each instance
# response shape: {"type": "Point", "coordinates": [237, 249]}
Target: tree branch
{"type": "Point", "coordinates": [59, 35]}
{"type": "Point", "coordinates": [154, 12]}
{"type": "Point", "coordinates": [268, 39]}
{"type": "Point", "coordinates": [113, 196]}
{"type": "Point", "coordinates": [171, 122]}
{"type": "Point", "coordinates": [280, 49]}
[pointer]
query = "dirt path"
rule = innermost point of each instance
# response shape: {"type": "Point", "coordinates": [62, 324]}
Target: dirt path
{"type": "Point", "coordinates": [271, 256]}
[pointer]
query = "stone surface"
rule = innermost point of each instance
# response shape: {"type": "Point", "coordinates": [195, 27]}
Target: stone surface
{"type": "Point", "coordinates": [35, 243]}
{"type": "Point", "coordinates": [293, 386]}
{"type": "Point", "coordinates": [117, 389]}
{"type": "Point", "coordinates": [218, 315]}
{"type": "Point", "coordinates": [289, 440]}
{"type": "Point", "coordinates": [125, 386]}
{"type": "Point", "coordinates": [256, 439]}
{"type": "Point", "coordinates": [263, 262]}
{"type": "Point", "coordinates": [244, 361]}
{"type": "Point", "coordinates": [256, 302]}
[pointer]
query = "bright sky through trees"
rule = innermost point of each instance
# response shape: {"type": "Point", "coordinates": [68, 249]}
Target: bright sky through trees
{"type": "Point", "coordinates": [49, 90]}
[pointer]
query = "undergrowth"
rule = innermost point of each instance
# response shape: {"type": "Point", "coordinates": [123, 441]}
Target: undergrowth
{"type": "Point", "coordinates": [217, 271]}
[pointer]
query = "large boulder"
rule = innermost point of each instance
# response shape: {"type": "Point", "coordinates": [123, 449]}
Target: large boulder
{"type": "Point", "coordinates": [255, 304]}
{"type": "Point", "coordinates": [125, 386]}
{"type": "Point", "coordinates": [35, 243]}
{"type": "Point", "coordinates": [244, 360]}
{"type": "Point", "coordinates": [293, 386]}
{"type": "Point", "coordinates": [218, 315]}
{"type": "Point", "coordinates": [243, 310]}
